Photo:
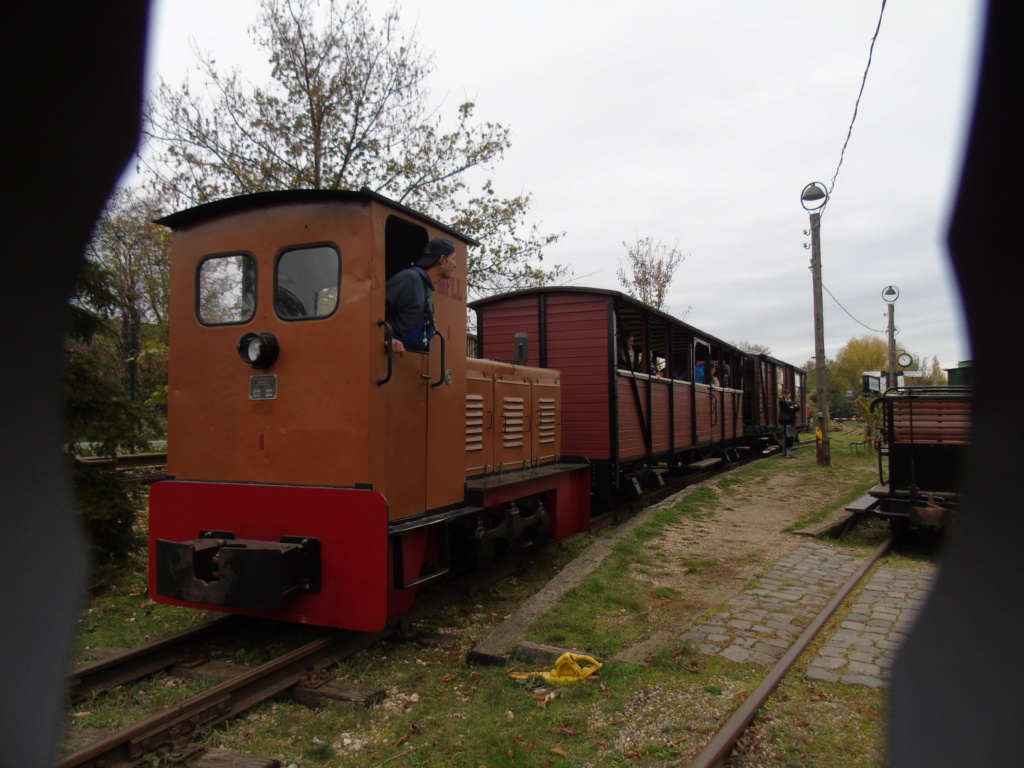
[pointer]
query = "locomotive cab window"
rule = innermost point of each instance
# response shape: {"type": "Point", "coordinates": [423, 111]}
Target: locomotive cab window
{"type": "Point", "coordinates": [307, 282]}
{"type": "Point", "coordinates": [226, 289]}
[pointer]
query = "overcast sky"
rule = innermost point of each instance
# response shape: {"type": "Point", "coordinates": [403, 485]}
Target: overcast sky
{"type": "Point", "coordinates": [698, 123]}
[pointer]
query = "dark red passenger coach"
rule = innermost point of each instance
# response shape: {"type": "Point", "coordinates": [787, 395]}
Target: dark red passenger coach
{"type": "Point", "coordinates": [641, 390]}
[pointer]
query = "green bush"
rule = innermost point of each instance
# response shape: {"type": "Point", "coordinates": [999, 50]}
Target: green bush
{"type": "Point", "coordinates": [107, 508]}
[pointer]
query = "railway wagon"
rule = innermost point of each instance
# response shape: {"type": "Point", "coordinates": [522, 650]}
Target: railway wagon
{"type": "Point", "coordinates": [925, 438]}
{"type": "Point", "coordinates": [766, 379]}
{"type": "Point", "coordinates": [641, 390]}
{"type": "Point", "coordinates": [317, 477]}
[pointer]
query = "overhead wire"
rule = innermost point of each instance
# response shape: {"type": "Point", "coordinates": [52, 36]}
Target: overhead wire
{"type": "Point", "coordinates": [873, 330]}
{"type": "Point", "coordinates": [842, 153]}
{"type": "Point", "coordinates": [856, 106]}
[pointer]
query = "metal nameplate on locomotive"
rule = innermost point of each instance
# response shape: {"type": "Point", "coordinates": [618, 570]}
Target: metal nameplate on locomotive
{"type": "Point", "coordinates": [263, 387]}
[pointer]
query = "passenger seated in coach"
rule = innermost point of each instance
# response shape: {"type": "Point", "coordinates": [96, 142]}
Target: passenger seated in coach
{"type": "Point", "coordinates": [700, 373]}
{"type": "Point", "coordinates": [651, 369]}
{"type": "Point", "coordinates": [679, 369]}
{"type": "Point", "coordinates": [714, 375]}
{"type": "Point", "coordinates": [629, 358]}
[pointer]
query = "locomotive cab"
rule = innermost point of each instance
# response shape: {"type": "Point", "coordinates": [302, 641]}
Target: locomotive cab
{"type": "Point", "coordinates": [295, 436]}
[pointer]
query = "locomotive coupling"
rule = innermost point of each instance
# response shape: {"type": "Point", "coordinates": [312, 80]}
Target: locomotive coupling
{"type": "Point", "coordinates": [219, 569]}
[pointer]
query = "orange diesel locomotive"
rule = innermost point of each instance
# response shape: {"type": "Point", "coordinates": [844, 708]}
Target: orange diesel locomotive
{"type": "Point", "coordinates": [316, 477]}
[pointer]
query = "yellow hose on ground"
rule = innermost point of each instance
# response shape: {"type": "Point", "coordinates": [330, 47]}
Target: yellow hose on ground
{"type": "Point", "coordinates": [567, 669]}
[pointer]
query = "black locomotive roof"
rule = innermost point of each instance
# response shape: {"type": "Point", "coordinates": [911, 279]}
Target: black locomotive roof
{"type": "Point", "coordinates": [259, 199]}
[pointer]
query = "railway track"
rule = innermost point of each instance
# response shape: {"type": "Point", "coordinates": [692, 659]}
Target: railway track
{"type": "Point", "coordinates": [106, 674]}
{"type": "Point", "coordinates": [718, 749]}
{"type": "Point", "coordinates": [173, 730]}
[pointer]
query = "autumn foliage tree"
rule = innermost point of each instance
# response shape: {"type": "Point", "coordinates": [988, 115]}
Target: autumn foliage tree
{"type": "Point", "coordinates": [844, 374]}
{"type": "Point", "coordinates": [868, 353]}
{"type": "Point", "coordinates": [135, 252]}
{"type": "Point", "coordinates": [346, 107]}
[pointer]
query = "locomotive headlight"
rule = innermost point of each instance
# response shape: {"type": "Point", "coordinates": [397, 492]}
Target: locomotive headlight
{"type": "Point", "coordinates": [259, 350]}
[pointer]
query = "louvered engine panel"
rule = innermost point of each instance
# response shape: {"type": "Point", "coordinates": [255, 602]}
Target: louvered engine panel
{"type": "Point", "coordinates": [479, 417]}
{"type": "Point", "coordinates": [512, 443]}
{"type": "Point", "coordinates": [547, 416]}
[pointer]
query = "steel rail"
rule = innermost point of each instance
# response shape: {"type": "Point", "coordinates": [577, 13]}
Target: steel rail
{"type": "Point", "coordinates": [718, 749]}
{"type": "Point", "coordinates": [172, 729]}
{"type": "Point", "coordinates": [102, 675]}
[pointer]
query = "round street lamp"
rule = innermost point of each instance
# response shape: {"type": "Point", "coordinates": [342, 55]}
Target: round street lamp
{"type": "Point", "coordinates": [814, 196]}
{"type": "Point", "coordinates": [813, 199]}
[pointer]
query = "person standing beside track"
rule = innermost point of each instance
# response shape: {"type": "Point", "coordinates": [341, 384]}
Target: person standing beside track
{"type": "Point", "coordinates": [787, 420]}
{"type": "Point", "coordinates": [409, 297]}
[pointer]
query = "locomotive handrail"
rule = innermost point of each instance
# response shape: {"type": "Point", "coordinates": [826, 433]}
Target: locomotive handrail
{"type": "Point", "coordinates": [440, 381]}
{"type": "Point", "coordinates": [387, 345]}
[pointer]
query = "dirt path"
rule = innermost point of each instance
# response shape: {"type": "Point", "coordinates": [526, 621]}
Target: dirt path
{"type": "Point", "coordinates": [710, 559]}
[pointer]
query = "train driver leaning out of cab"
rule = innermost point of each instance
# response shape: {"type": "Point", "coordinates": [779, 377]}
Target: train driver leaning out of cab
{"type": "Point", "coordinates": [409, 308]}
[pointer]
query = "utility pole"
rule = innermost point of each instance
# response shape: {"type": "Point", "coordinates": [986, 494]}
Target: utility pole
{"type": "Point", "coordinates": [890, 294]}
{"type": "Point", "coordinates": [813, 199]}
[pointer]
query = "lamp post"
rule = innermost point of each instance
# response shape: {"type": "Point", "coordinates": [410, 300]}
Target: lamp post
{"type": "Point", "coordinates": [813, 199]}
{"type": "Point", "coordinates": [890, 294]}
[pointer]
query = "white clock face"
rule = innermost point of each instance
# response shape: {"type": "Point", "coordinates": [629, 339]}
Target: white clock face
{"type": "Point", "coordinates": [904, 359]}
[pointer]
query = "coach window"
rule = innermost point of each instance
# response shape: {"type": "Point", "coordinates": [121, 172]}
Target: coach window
{"type": "Point", "coordinates": [307, 282]}
{"type": "Point", "coordinates": [702, 361]}
{"type": "Point", "coordinates": [226, 289]}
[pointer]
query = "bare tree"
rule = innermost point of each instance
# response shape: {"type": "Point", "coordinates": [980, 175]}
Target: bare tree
{"type": "Point", "coordinates": [651, 267]}
{"type": "Point", "coordinates": [748, 346]}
